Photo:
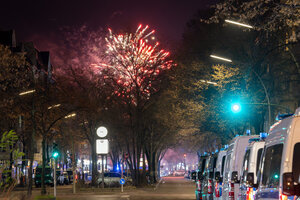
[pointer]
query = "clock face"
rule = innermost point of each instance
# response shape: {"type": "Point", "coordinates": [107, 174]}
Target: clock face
{"type": "Point", "coordinates": [102, 131]}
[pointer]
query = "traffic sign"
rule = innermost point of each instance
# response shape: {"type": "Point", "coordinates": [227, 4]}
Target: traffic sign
{"type": "Point", "coordinates": [122, 181]}
{"type": "Point", "coordinates": [101, 131]}
{"type": "Point", "coordinates": [102, 146]}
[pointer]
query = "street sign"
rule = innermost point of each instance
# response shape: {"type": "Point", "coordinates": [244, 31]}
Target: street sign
{"type": "Point", "coordinates": [122, 181]}
{"type": "Point", "coordinates": [102, 146]}
{"type": "Point", "coordinates": [101, 131]}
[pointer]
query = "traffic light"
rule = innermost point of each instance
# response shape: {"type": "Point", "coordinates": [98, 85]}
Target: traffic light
{"type": "Point", "coordinates": [236, 107]}
{"type": "Point", "coordinates": [55, 152]}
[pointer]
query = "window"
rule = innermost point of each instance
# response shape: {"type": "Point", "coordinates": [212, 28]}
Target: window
{"type": "Point", "coordinates": [246, 165]}
{"type": "Point", "coordinates": [271, 167]}
{"type": "Point", "coordinates": [227, 167]}
{"type": "Point", "coordinates": [296, 162]}
{"type": "Point", "coordinates": [259, 152]}
{"type": "Point", "coordinates": [215, 163]}
{"type": "Point", "coordinates": [223, 163]}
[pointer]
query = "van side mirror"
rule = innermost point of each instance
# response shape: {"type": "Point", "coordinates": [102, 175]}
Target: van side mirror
{"type": "Point", "coordinates": [234, 177]}
{"type": "Point", "coordinates": [289, 187]}
{"type": "Point", "coordinates": [250, 179]}
{"type": "Point", "coordinates": [217, 176]}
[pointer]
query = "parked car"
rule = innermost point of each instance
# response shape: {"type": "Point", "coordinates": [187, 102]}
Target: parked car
{"type": "Point", "coordinates": [233, 165]}
{"type": "Point", "coordinates": [179, 173]}
{"type": "Point", "coordinates": [250, 168]}
{"type": "Point", "coordinates": [280, 168]}
{"type": "Point", "coordinates": [199, 175]}
{"type": "Point", "coordinates": [208, 175]}
{"type": "Point", "coordinates": [113, 179]}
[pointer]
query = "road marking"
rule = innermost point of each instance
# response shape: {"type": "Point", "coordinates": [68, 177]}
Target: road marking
{"type": "Point", "coordinates": [158, 184]}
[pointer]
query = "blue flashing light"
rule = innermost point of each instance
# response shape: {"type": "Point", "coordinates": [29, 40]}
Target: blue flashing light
{"type": "Point", "coordinates": [248, 132]}
{"type": "Point", "coordinates": [263, 136]}
{"type": "Point", "coordinates": [236, 107]}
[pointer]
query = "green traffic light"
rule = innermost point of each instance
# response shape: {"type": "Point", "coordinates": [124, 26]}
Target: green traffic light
{"type": "Point", "coordinates": [55, 154]}
{"type": "Point", "coordinates": [276, 176]}
{"type": "Point", "coordinates": [236, 107]}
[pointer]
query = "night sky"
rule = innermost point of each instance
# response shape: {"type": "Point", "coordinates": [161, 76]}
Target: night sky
{"type": "Point", "coordinates": [39, 21]}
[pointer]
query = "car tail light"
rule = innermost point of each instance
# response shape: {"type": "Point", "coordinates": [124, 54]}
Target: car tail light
{"type": "Point", "coordinates": [209, 187]}
{"type": "Point", "coordinates": [283, 197]}
{"type": "Point", "coordinates": [231, 191]}
{"type": "Point", "coordinates": [217, 191]}
{"type": "Point", "coordinates": [250, 194]}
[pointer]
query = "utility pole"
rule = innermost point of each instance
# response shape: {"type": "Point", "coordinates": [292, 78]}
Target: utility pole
{"type": "Point", "coordinates": [54, 177]}
{"type": "Point", "coordinates": [102, 167]}
{"type": "Point", "coordinates": [74, 167]}
{"type": "Point", "coordinates": [122, 158]}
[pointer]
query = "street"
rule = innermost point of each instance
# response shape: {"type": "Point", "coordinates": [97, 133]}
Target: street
{"type": "Point", "coordinates": [169, 188]}
{"type": "Point", "coordinates": [177, 188]}
{"type": "Point", "coordinates": [140, 100]}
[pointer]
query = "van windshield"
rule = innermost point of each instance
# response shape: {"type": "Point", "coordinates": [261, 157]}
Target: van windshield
{"type": "Point", "coordinates": [227, 166]}
{"type": "Point", "coordinates": [259, 152]}
{"type": "Point", "coordinates": [296, 162]}
{"type": "Point", "coordinates": [246, 165]}
{"type": "Point", "coordinates": [271, 168]}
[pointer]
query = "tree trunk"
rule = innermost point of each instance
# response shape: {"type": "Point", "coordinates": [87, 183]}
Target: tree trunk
{"type": "Point", "coordinates": [31, 150]}
{"type": "Point", "coordinates": [94, 163]}
{"type": "Point", "coordinates": [43, 191]}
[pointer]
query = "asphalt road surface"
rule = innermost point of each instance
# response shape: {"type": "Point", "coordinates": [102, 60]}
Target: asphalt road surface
{"type": "Point", "coordinates": [177, 188]}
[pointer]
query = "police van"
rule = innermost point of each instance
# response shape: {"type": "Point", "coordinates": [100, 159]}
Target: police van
{"type": "Point", "coordinates": [218, 177]}
{"type": "Point", "coordinates": [280, 168]}
{"type": "Point", "coordinates": [203, 160]}
{"type": "Point", "coordinates": [250, 168]}
{"type": "Point", "coordinates": [208, 176]}
{"type": "Point", "coordinates": [233, 165]}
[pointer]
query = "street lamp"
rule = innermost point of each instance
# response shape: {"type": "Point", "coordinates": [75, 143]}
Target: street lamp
{"type": "Point", "coordinates": [54, 106]}
{"type": "Point", "coordinates": [26, 92]}
{"type": "Point", "coordinates": [220, 58]}
{"type": "Point", "coordinates": [238, 23]}
{"type": "Point", "coordinates": [70, 115]}
{"type": "Point", "coordinates": [209, 82]}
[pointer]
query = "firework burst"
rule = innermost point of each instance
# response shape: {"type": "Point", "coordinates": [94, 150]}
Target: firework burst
{"type": "Point", "coordinates": [135, 62]}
